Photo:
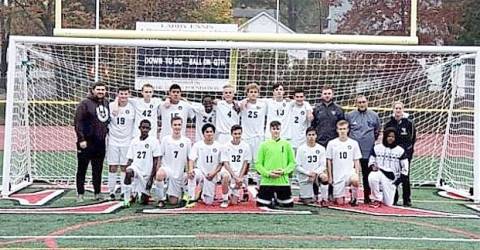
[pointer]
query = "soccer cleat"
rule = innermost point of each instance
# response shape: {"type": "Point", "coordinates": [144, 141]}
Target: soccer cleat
{"type": "Point", "coordinates": [353, 202]}
{"type": "Point", "coordinates": [112, 196]}
{"type": "Point", "coordinates": [126, 203]}
{"type": "Point", "coordinates": [190, 204]}
{"type": "Point", "coordinates": [97, 197]}
{"type": "Point", "coordinates": [224, 204]}
{"type": "Point", "coordinates": [407, 204]}
{"type": "Point", "coordinates": [323, 203]}
{"type": "Point", "coordinates": [144, 198]}
{"type": "Point", "coordinates": [161, 204]}
{"type": "Point", "coordinates": [375, 204]}
{"type": "Point", "coordinates": [80, 198]}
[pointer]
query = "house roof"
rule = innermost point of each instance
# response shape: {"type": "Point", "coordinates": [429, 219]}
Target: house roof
{"type": "Point", "coordinates": [266, 15]}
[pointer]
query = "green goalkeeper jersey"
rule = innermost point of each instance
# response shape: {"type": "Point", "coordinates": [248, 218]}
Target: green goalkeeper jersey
{"type": "Point", "coordinates": [274, 155]}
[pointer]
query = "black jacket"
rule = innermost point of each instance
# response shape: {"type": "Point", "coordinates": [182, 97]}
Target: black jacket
{"type": "Point", "coordinates": [325, 121]}
{"type": "Point", "coordinates": [91, 121]}
{"type": "Point", "coordinates": [406, 133]}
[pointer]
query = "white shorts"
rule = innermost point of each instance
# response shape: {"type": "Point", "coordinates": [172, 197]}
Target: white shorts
{"type": "Point", "coordinates": [254, 144]}
{"type": "Point", "coordinates": [208, 187]}
{"type": "Point", "coordinates": [305, 185]}
{"type": "Point", "coordinates": [340, 184]}
{"type": "Point", "coordinates": [175, 185]}
{"type": "Point", "coordinates": [139, 183]}
{"type": "Point", "coordinates": [232, 187]}
{"type": "Point", "coordinates": [117, 155]}
{"type": "Point", "coordinates": [223, 138]}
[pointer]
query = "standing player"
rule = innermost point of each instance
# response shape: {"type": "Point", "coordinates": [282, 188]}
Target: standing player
{"type": "Point", "coordinates": [235, 157]}
{"type": "Point", "coordinates": [120, 130]}
{"type": "Point", "coordinates": [365, 129]}
{"type": "Point", "coordinates": [174, 150]}
{"type": "Point", "coordinates": [276, 108]}
{"type": "Point", "coordinates": [146, 108]}
{"type": "Point", "coordinates": [177, 107]}
{"type": "Point", "coordinates": [143, 155]}
{"type": "Point", "coordinates": [311, 168]}
{"type": "Point", "coordinates": [228, 114]}
{"type": "Point", "coordinates": [298, 119]}
{"type": "Point", "coordinates": [204, 113]}
{"type": "Point", "coordinates": [253, 112]}
{"type": "Point", "coordinates": [91, 126]}
{"type": "Point", "coordinates": [388, 162]}
{"type": "Point", "coordinates": [205, 155]}
{"type": "Point", "coordinates": [275, 162]}
{"type": "Point", "coordinates": [343, 155]}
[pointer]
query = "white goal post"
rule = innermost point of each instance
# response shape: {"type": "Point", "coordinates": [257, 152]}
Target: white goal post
{"type": "Point", "coordinates": [440, 86]}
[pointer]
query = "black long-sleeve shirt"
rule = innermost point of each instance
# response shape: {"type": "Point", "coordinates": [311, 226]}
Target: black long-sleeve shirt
{"type": "Point", "coordinates": [325, 121]}
{"type": "Point", "coordinates": [91, 122]}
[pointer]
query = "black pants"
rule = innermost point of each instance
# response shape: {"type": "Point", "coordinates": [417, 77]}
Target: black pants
{"type": "Point", "coordinates": [365, 172]}
{"type": "Point", "coordinates": [95, 158]}
{"type": "Point", "coordinates": [406, 194]}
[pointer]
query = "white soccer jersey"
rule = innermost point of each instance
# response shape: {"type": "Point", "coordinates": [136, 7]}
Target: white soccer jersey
{"type": "Point", "coordinates": [343, 154]}
{"type": "Point", "coordinates": [182, 109]}
{"type": "Point", "coordinates": [276, 111]}
{"type": "Point", "coordinates": [236, 155]}
{"type": "Point", "coordinates": [226, 117]}
{"type": "Point", "coordinates": [174, 154]}
{"type": "Point", "coordinates": [148, 111]}
{"type": "Point", "coordinates": [253, 120]}
{"type": "Point", "coordinates": [120, 128]}
{"type": "Point", "coordinates": [389, 159]}
{"type": "Point", "coordinates": [202, 118]}
{"type": "Point", "coordinates": [297, 123]}
{"type": "Point", "coordinates": [311, 159]}
{"type": "Point", "coordinates": [207, 157]}
{"type": "Point", "coordinates": [142, 153]}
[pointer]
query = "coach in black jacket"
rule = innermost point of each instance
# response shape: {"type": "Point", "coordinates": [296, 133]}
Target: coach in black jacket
{"type": "Point", "coordinates": [91, 121]}
{"type": "Point", "coordinates": [405, 128]}
{"type": "Point", "coordinates": [326, 114]}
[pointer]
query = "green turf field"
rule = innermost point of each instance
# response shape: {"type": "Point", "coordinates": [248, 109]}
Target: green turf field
{"type": "Point", "coordinates": [325, 228]}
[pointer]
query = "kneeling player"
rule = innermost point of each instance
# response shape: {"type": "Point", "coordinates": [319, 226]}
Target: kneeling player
{"type": "Point", "coordinates": [143, 155]}
{"type": "Point", "coordinates": [205, 155]}
{"type": "Point", "coordinates": [311, 169]}
{"type": "Point", "coordinates": [389, 164]}
{"type": "Point", "coordinates": [343, 164]}
{"type": "Point", "coordinates": [235, 158]}
{"type": "Point", "coordinates": [275, 162]}
{"type": "Point", "coordinates": [174, 150]}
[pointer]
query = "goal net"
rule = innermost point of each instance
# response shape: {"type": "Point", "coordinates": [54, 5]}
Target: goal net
{"type": "Point", "coordinates": [49, 76]}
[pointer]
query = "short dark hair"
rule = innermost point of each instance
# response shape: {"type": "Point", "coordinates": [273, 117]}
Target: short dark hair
{"type": "Point", "coordinates": [145, 121]}
{"type": "Point", "coordinates": [276, 85]}
{"type": "Point", "coordinates": [310, 129]}
{"type": "Point", "coordinates": [327, 87]}
{"type": "Point", "coordinates": [123, 89]}
{"type": "Point", "coordinates": [98, 84]}
{"type": "Point", "coordinates": [235, 127]}
{"type": "Point", "coordinates": [298, 90]}
{"type": "Point", "coordinates": [174, 86]}
{"type": "Point", "coordinates": [206, 126]}
{"type": "Point", "coordinates": [275, 124]}
{"type": "Point", "coordinates": [175, 118]}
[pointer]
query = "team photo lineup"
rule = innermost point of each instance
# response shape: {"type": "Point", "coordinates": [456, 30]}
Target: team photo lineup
{"type": "Point", "coordinates": [262, 142]}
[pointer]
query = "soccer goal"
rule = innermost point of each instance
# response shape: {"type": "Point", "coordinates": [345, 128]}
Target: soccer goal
{"type": "Point", "coordinates": [47, 77]}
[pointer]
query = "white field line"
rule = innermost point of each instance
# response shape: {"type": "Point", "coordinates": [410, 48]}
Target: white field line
{"type": "Point", "coordinates": [191, 236]}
